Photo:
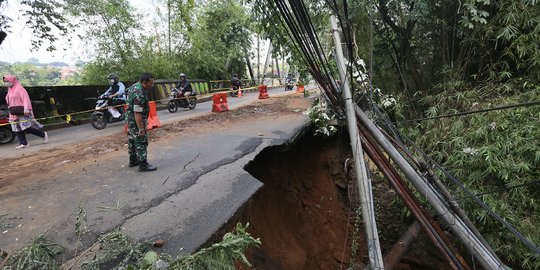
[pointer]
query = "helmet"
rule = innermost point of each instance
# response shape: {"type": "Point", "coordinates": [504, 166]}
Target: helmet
{"type": "Point", "coordinates": [182, 75]}
{"type": "Point", "coordinates": [113, 78]}
{"type": "Point", "coordinates": [235, 75]}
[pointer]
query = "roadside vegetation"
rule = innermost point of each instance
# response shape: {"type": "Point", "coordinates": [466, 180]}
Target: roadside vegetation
{"type": "Point", "coordinates": [117, 251]}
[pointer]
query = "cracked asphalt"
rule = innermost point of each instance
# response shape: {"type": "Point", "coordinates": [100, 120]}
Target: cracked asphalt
{"type": "Point", "coordinates": [199, 185]}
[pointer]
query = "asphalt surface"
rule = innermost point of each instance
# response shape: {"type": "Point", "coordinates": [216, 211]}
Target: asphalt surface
{"type": "Point", "coordinates": [81, 133]}
{"type": "Point", "coordinates": [199, 185]}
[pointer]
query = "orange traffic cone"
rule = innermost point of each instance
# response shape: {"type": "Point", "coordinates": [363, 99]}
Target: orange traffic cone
{"type": "Point", "coordinates": [153, 120]}
{"type": "Point", "coordinates": [240, 92]}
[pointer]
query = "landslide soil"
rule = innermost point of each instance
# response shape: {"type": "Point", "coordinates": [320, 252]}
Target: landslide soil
{"type": "Point", "coordinates": [306, 215]}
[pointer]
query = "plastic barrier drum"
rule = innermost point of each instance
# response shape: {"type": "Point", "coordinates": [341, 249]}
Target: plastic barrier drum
{"type": "Point", "coordinates": [153, 120]}
{"type": "Point", "coordinates": [220, 102]}
{"type": "Point", "coordinates": [263, 91]}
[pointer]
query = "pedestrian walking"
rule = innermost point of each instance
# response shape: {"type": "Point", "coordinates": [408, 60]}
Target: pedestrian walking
{"type": "Point", "coordinates": [137, 121]}
{"type": "Point", "coordinates": [21, 115]}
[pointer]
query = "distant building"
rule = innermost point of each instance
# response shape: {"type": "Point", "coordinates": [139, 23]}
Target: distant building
{"type": "Point", "coordinates": [67, 71]}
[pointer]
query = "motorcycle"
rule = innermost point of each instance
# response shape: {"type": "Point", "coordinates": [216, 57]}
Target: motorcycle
{"type": "Point", "coordinates": [289, 86]}
{"type": "Point", "coordinates": [234, 90]}
{"type": "Point", "coordinates": [176, 101]}
{"type": "Point", "coordinates": [104, 114]}
{"type": "Point", "coordinates": [6, 135]}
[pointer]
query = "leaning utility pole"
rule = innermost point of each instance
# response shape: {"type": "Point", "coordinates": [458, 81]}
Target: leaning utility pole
{"type": "Point", "coordinates": [364, 185]}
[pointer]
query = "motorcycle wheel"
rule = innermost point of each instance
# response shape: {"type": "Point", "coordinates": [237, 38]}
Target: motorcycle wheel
{"type": "Point", "coordinates": [192, 103]}
{"type": "Point", "coordinates": [172, 106]}
{"type": "Point", "coordinates": [6, 136]}
{"type": "Point", "coordinates": [98, 120]}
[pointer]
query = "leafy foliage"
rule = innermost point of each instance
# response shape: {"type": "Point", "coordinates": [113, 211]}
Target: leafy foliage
{"type": "Point", "coordinates": [117, 252]}
{"type": "Point", "coordinates": [321, 117]}
{"type": "Point", "coordinates": [496, 154]}
{"type": "Point", "coordinates": [220, 41]}
{"type": "Point", "coordinates": [219, 256]}
{"type": "Point", "coordinates": [44, 17]}
{"type": "Point", "coordinates": [208, 42]}
{"type": "Point", "coordinates": [40, 254]}
{"type": "Point", "coordinates": [116, 246]}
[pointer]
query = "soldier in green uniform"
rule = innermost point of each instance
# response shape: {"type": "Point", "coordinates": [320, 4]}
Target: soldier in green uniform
{"type": "Point", "coordinates": [137, 120]}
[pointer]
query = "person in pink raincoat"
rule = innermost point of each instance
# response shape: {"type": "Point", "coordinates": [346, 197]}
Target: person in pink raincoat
{"type": "Point", "coordinates": [20, 124]}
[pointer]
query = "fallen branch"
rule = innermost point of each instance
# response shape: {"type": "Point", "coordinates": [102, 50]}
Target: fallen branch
{"type": "Point", "coordinates": [5, 260]}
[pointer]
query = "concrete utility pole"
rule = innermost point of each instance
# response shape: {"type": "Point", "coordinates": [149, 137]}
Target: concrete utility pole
{"type": "Point", "coordinates": [364, 185]}
{"type": "Point", "coordinates": [277, 67]}
{"type": "Point", "coordinates": [268, 59]}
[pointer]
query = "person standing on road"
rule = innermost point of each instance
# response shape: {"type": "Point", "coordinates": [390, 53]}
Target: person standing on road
{"type": "Point", "coordinates": [137, 120]}
{"type": "Point", "coordinates": [21, 116]}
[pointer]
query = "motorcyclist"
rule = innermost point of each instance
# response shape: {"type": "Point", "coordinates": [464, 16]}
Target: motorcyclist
{"type": "Point", "coordinates": [184, 87]}
{"type": "Point", "coordinates": [235, 82]}
{"type": "Point", "coordinates": [116, 91]}
{"type": "Point", "coordinates": [289, 82]}
{"type": "Point", "coordinates": [289, 79]}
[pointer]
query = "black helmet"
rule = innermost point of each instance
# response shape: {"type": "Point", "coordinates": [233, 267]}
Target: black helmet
{"type": "Point", "coordinates": [113, 76]}
{"type": "Point", "coordinates": [235, 75]}
{"type": "Point", "coordinates": [182, 75]}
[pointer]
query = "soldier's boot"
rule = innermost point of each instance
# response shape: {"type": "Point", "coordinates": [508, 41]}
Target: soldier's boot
{"type": "Point", "coordinates": [134, 161]}
{"type": "Point", "coordinates": [145, 167]}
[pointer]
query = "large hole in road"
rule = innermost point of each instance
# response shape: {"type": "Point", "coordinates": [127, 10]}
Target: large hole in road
{"type": "Point", "coordinates": [305, 213]}
{"type": "Point", "coordinates": [301, 215]}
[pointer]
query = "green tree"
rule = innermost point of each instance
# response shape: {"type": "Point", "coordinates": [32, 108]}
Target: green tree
{"type": "Point", "coordinates": [42, 16]}
{"type": "Point", "coordinates": [110, 26]}
{"type": "Point", "coordinates": [219, 41]}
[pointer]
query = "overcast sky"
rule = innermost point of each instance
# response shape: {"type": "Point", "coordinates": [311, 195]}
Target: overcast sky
{"type": "Point", "coordinates": [16, 47]}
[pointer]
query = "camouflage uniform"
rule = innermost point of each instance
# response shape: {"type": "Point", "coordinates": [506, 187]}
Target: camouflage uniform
{"type": "Point", "coordinates": [137, 101]}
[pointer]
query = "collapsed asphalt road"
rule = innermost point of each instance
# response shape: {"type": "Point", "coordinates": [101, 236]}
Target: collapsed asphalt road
{"type": "Point", "coordinates": [199, 185]}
